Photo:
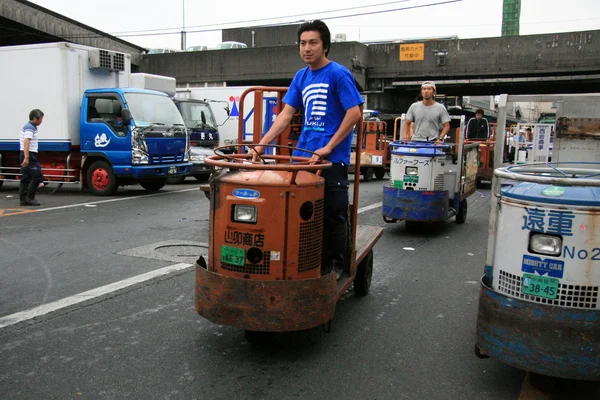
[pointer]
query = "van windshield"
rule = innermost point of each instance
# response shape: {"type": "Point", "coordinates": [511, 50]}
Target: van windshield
{"type": "Point", "coordinates": [152, 109]}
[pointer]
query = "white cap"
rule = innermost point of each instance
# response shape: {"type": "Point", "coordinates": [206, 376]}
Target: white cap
{"type": "Point", "coordinates": [428, 83]}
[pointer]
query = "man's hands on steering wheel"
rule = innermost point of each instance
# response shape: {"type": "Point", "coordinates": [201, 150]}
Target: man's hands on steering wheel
{"type": "Point", "coordinates": [320, 154]}
{"type": "Point", "coordinates": [256, 152]}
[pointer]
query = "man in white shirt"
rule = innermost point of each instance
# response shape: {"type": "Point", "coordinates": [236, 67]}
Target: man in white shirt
{"type": "Point", "coordinates": [31, 170]}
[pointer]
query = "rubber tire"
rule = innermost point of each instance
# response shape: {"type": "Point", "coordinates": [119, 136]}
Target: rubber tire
{"type": "Point", "coordinates": [201, 178]}
{"type": "Point", "coordinates": [544, 383]}
{"type": "Point", "coordinates": [257, 337]}
{"type": "Point", "coordinates": [364, 274]}
{"type": "Point", "coordinates": [379, 173]}
{"type": "Point", "coordinates": [412, 226]}
{"type": "Point", "coordinates": [368, 174]}
{"type": "Point", "coordinates": [111, 187]}
{"type": "Point", "coordinates": [155, 185]}
{"type": "Point", "coordinates": [461, 216]}
{"type": "Point", "coordinates": [175, 180]}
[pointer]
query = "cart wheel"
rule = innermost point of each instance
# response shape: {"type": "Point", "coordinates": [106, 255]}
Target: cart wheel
{"type": "Point", "coordinates": [368, 174]}
{"type": "Point", "coordinates": [412, 226]}
{"type": "Point", "coordinates": [461, 216]}
{"type": "Point", "coordinates": [544, 383]}
{"type": "Point", "coordinates": [380, 173]}
{"type": "Point", "coordinates": [256, 337]}
{"type": "Point", "coordinates": [479, 354]}
{"type": "Point", "coordinates": [364, 273]}
{"type": "Point", "coordinates": [154, 185]}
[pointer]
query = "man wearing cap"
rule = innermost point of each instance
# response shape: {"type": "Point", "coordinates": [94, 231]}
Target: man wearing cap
{"type": "Point", "coordinates": [428, 116]}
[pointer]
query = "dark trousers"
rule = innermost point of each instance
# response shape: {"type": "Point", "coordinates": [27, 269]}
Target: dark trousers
{"type": "Point", "coordinates": [32, 172]}
{"type": "Point", "coordinates": [335, 221]}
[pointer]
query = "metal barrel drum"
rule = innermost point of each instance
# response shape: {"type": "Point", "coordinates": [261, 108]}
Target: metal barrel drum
{"type": "Point", "coordinates": [539, 307]}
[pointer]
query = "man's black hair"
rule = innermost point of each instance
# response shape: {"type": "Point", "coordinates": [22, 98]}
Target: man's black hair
{"type": "Point", "coordinates": [35, 114]}
{"type": "Point", "coordinates": [479, 111]}
{"type": "Point", "coordinates": [319, 26]}
{"type": "Point", "coordinates": [528, 129]}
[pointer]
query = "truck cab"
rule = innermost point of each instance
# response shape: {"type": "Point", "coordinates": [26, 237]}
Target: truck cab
{"type": "Point", "coordinates": [204, 136]}
{"type": "Point", "coordinates": [131, 135]}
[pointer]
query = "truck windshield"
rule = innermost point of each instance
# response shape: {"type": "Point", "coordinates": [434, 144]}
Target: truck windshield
{"type": "Point", "coordinates": [192, 114]}
{"type": "Point", "coordinates": [150, 109]}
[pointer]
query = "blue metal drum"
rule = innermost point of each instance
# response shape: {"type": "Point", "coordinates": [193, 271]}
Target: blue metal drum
{"type": "Point", "coordinates": [539, 306]}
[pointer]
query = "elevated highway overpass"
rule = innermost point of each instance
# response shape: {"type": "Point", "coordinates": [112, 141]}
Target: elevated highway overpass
{"type": "Point", "coordinates": [534, 64]}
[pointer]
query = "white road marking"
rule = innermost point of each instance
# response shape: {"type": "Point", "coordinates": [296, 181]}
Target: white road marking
{"type": "Point", "coordinates": [90, 294]}
{"type": "Point", "coordinates": [367, 208]}
{"type": "Point", "coordinates": [101, 291]}
{"type": "Point", "coordinates": [93, 203]}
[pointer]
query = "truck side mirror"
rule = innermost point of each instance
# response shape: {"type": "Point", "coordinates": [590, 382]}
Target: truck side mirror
{"type": "Point", "coordinates": [203, 117]}
{"type": "Point", "coordinates": [227, 110]}
{"type": "Point", "coordinates": [125, 116]}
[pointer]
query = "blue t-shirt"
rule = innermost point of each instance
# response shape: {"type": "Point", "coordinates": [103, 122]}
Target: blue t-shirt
{"type": "Point", "coordinates": [323, 96]}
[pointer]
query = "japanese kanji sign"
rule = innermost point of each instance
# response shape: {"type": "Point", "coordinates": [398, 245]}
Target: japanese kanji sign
{"type": "Point", "coordinates": [412, 52]}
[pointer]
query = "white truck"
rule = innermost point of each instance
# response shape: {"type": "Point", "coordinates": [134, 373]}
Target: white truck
{"type": "Point", "coordinates": [228, 117]}
{"type": "Point", "coordinates": [98, 131]}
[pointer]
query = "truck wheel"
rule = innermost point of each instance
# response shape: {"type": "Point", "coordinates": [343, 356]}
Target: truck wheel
{"type": "Point", "coordinates": [155, 185]}
{"type": "Point", "coordinates": [368, 174]}
{"type": "Point", "coordinates": [461, 216]}
{"type": "Point", "coordinates": [174, 180]}
{"type": "Point", "coordinates": [364, 273]}
{"type": "Point", "coordinates": [101, 179]}
{"type": "Point", "coordinates": [379, 173]}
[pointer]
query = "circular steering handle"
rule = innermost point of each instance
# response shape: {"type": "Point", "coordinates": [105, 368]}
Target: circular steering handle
{"type": "Point", "coordinates": [244, 161]}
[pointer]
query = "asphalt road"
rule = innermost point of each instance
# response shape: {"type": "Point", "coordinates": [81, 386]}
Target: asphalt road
{"type": "Point", "coordinates": [412, 337]}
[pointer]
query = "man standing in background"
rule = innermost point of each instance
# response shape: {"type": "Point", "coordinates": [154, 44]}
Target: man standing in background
{"type": "Point", "coordinates": [478, 127]}
{"type": "Point", "coordinates": [428, 116]}
{"type": "Point", "coordinates": [31, 170]}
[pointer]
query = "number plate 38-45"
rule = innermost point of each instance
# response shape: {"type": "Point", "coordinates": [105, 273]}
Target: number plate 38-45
{"type": "Point", "coordinates": [539, 286]}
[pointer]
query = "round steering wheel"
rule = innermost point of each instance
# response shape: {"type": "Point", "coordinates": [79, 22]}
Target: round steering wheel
{"type": "Point", "coordinates": [244, 161]}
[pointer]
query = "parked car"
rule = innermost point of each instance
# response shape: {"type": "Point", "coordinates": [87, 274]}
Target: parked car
{"type": "Point", "coordinates": [197, 48]}
{"type": "Point", "coordinates": [230, 45]}
{"type": "Point", "coordinates": [162, 51]}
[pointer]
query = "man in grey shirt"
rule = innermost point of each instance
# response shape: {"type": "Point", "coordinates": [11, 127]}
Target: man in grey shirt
{"type": "Point", "coordinates": [429, 117]}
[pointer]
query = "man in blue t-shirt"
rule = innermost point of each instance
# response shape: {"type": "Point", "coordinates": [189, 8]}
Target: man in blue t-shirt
{"type": "Point", "coordinates": [326, 94]}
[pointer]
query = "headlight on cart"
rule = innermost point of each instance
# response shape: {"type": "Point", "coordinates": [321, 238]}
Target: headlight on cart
{"type": "Point", "coordinates": [541, 243]}
{"type": "Point", "coordinates": [411, 171]}
{"type": "Point", "coordinates": [244, 214]}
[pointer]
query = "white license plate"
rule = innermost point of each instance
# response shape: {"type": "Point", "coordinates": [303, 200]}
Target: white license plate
{"type": "Point", "coordinates": [172, 170]}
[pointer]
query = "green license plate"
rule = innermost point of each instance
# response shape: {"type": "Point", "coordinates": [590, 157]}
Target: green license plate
{"type": "Point", "coordinates": [540, 286]}
{"type": "Point", "coordinates": [411, 178]}
{"type": "Point", "coordinates": [233, 255]}
{"type": "Point", "coordinates": [172, 170]}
